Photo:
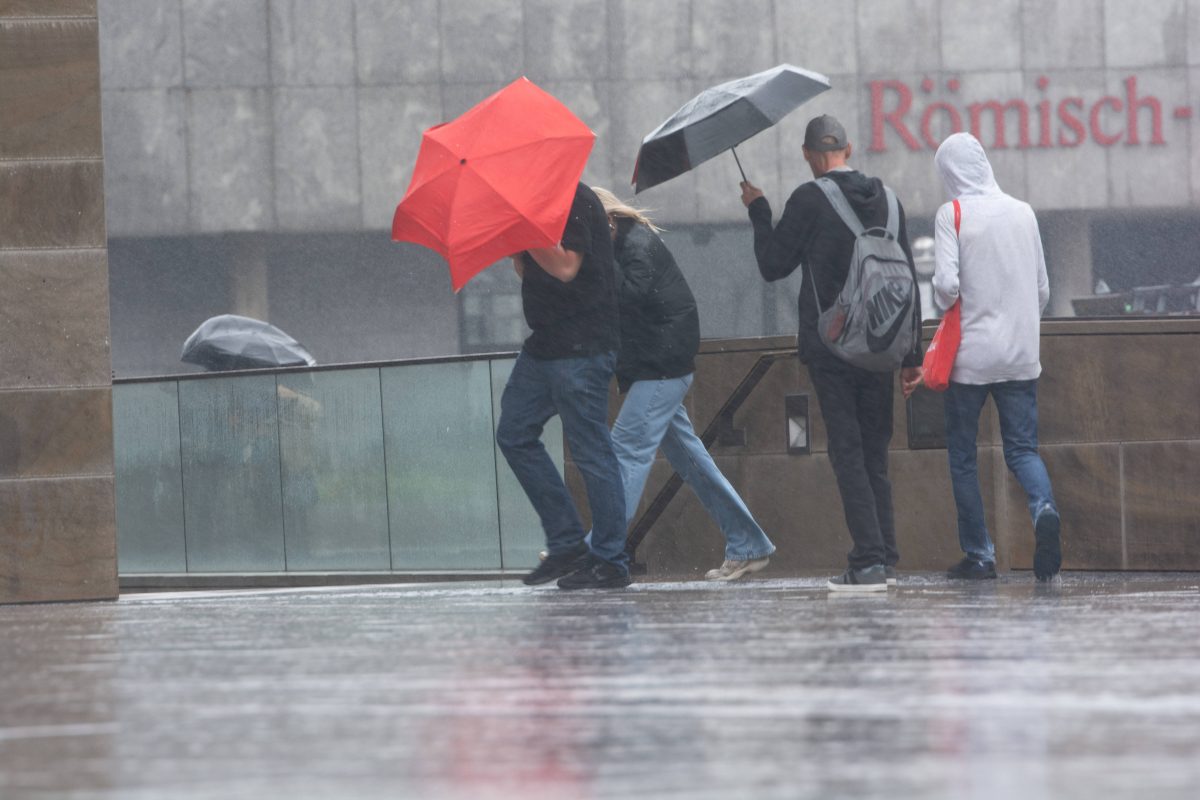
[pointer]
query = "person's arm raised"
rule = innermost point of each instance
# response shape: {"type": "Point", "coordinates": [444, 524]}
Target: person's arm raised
{"type": "Point", "coordinates": [557, 262]}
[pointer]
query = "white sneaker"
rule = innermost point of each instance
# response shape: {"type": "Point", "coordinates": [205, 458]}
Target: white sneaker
{"type": "Point", "coordinates": [732, 570]}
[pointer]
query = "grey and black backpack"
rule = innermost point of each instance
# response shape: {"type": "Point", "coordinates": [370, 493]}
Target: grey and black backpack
{"type": "Point", "coordinates": [870, 324]}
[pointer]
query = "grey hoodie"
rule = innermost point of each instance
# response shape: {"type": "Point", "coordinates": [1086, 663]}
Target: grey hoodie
{"type": "Point", "coordinates": [994, 263]}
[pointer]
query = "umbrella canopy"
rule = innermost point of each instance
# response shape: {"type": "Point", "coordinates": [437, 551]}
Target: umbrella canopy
{"type": "Point", "coordinates": [231, 342]}
{"type": "Point", "coordinates": [498, 180]}
{"type": "Point", "coordinates": [721, 117]}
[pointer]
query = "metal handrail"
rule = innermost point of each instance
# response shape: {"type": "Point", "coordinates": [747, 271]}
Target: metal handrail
{"type": "Point", "coordinates": [720, 428]}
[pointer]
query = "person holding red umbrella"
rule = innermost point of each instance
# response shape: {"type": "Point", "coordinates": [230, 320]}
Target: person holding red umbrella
{"type": "Point", "coordinates": [569, 296]}
{"type": "Point", "coordinates": [503, 178]}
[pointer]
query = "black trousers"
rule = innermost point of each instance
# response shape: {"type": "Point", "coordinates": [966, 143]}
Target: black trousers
{"type": "Point", "coordinates": [856, 406]}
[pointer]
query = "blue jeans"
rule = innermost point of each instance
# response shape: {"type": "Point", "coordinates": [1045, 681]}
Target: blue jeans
{"type": "Point", "coordinates": [577, 390]}
{"type": "Point", "coordinates": [1016, 403]}
{"type": "Point", "coordinates": [653, 415]}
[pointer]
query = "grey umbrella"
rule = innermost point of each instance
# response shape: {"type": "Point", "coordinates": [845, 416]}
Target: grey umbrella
{"type": "Point", "coordinates": [229, 342]}
{"type": "Point", "coordinates": [720, 118]}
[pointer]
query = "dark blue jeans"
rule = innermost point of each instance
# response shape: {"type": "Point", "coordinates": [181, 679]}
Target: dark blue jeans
{"type": "Point", "coordinates": [576, 389]}
{"type": "Point", "coordinates": [1016, 403]}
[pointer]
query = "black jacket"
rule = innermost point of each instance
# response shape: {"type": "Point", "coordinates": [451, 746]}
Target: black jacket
{"type": "Point", "coordinates": [660, 327]}
{"type": "Point", "coordinates": [578, 317]}
{"type": "Point", "coordinates": [811, 235]}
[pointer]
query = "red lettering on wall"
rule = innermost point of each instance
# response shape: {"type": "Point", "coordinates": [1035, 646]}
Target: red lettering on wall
{"type": "Point", "coordinates": [1044, 139]}
{"type": "Point", "coordinates": [998, 111]}
{"type": "Point", "coordinates": [1108, 140]}
{"type": "Point", "coordinates": [927, 119]}
{"type": "Point", "coordinates": [1004, 122]}
{"type": "Point", "coordinates": [895, 117]}
{"type": "Point", "coordinates": [1071, 121]}
{"type": "Point", "coordinates": [1134, 103]}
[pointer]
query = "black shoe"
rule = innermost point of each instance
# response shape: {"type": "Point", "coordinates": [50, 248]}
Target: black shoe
{"type": "Point", "coordinates": [555, 566]}
{"type": "Point", "coordinates": [971, 570]}
{"type": "Point", "coordinates": [867, 579]}
{"type": "Point", "coordinates": [1047, 554]}
{"type": "Point", "coordinates": [597, 573]}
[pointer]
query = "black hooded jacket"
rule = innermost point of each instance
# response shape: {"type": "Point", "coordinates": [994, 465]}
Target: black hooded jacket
{"type": "Point", "coordinates": [660, 327]}
{"type": "Point", "coordinates": [810, 234]}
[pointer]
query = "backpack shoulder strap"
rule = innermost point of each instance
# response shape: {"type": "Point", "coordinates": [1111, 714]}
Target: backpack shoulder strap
{"type": "Point", "coordinates": [893, 214]}
{"type": "Point", "coordinates": [840, 204]}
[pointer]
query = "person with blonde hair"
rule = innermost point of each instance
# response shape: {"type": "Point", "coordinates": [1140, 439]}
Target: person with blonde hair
{"type": "Point", "coordinates": [660, 335]}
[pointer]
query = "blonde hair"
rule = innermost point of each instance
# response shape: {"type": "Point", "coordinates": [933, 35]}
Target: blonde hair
{"type": "Point", "coordinates": [614, 206]}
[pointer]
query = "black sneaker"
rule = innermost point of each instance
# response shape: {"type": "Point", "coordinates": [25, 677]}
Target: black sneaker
{"type": "Point", "coordinates": [969, 569]}
{"type": "Point", "coordinates": [1047, 554]}
{"type": "Point", "coordinates": [555, 566]}
{"type": "Point", "coordinates": [867, 579]}
{"type": "Point", "coordinates": [596, 573]}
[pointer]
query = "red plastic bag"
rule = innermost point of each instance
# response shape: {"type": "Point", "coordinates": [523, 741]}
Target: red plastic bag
{"type": "Point", "coordinates": [939, 357]}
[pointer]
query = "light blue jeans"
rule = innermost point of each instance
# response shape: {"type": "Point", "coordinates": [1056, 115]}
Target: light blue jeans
{"type": "Point", "coordinates": [653, 416]}
{"type": "Point", "coordinates": [1016, 405]}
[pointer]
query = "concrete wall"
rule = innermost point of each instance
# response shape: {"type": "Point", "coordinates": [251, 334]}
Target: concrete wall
{"type": "Point", "coordinates": [1120, 439]}
{"type": "Point", "coordinates": [57, 529]}
{"type": "Point", "coordinates": [233, 115]}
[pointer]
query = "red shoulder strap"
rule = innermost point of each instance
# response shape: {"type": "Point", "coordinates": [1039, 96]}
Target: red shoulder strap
{"type": "Point", "coordinates": [957, 215]}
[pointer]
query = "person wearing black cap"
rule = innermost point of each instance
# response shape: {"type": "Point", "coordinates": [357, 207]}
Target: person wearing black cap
{"type": "Point", "coordinates": [856, 404]}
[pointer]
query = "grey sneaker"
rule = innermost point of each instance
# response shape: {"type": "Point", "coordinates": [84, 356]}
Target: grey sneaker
{"type": "Point", "coordinates": [732, 570]}
{"type": "Point", "coordinates": [867, 579]}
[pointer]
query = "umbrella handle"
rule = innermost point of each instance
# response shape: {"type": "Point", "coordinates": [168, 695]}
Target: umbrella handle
{"type": "Point", "coordinates": [739, 163]}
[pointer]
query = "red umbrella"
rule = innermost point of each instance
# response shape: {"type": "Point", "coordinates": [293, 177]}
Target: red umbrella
{"type": "Point", "coordinates": [498, 180]}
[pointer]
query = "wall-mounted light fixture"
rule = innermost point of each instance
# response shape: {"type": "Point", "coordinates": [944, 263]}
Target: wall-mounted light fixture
{"type": "Point", "coordinates": [796, 409]}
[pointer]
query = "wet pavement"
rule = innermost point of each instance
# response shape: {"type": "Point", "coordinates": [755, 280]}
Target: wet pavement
{"type": "Point", "coordinates": [768, 688]}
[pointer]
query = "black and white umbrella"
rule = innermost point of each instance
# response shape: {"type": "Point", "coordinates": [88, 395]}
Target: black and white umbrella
{"type": "Point", "coordinates": [228, 342]}
{"type": "Point", "coordinates": [721, 117]}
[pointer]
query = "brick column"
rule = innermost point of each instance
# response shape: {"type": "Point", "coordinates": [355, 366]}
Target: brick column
{"type": "Point", "coordinates": [57, 521]}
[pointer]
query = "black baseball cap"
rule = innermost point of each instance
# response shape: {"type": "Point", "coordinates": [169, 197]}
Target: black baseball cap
{"type": "Point", "coordinates": [825, 133]}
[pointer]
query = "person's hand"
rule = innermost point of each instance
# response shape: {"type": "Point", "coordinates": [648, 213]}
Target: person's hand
{"type": "Point", "coordinates": [518, 266]}
{"type": "Point", "coordinates": [750, 193]}
{"type": "Point", "coordinates": [910, 379]}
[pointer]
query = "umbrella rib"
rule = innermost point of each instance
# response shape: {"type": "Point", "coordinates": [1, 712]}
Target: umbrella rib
{"type": "Point", "coordinates": [515, 147]}
{"type": "Point", "coordinates": [485, 180]}
{"type": "Point", "coordinates": [502, 198]}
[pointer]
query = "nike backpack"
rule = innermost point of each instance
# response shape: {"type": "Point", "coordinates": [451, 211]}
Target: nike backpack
{"type": "Point", "coordinates": [870, 324]}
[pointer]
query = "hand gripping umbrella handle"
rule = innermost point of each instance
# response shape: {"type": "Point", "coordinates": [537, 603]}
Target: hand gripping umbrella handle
{"type": "Point", "coordinates": [739, 163]}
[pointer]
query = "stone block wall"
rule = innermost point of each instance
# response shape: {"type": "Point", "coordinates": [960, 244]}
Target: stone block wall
{"type": "Point", "coordinates": [57, 521]}
{"type": "Point", "coordinates": [1120, 439]}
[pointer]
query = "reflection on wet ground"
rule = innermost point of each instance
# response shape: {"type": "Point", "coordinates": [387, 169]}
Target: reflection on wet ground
{"type": "Point", "coordinates": [762, 689]}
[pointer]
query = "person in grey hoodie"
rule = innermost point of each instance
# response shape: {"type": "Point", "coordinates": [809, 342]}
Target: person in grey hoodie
{"type": "Point", "coordinates": [994, 264]}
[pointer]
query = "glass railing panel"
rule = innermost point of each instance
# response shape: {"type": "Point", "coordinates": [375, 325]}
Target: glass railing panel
{"type": "Point", "coordinates": [149, 492]}
{"type": "Point", "coordinates": [521, 534]}
{"type": "Point", "coordinates": [230, 445]}
{"type": "Point", "coordinates": [331, 454]}
{"type": "Point", "coordinates": [441, 468]}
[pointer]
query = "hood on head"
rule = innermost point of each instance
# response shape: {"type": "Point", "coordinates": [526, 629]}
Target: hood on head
{"type": "Point", "coordinates": [964, 166]}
